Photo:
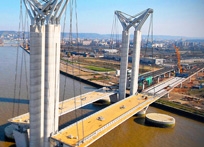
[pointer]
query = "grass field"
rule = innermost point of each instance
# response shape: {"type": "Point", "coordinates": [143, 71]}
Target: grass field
{"type": "Point", "coordinates": [99, 69]}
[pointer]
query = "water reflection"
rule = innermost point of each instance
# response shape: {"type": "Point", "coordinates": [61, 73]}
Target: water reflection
{"type": "Point", "coordinates": [14, 100]}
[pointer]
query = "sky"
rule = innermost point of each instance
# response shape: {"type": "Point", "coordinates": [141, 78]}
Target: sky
{"type": "Point", "coordinates": [170, 17]}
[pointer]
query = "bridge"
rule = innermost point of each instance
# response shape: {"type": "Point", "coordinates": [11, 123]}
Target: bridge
{"type": "Point", "coordinates": [98, 124]}
{"type": "Point", "coordinates": [44, 108]}
{"type": "Point", "coordinates": [69, 105]}
{"type": "Point", "coordinates": [86, 131]}
{"type": "Point", "coordinates": [93, 127]}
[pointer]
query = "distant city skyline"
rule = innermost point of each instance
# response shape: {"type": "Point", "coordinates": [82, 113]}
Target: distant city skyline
{"type": "Point", "coordinates": [171, 17]}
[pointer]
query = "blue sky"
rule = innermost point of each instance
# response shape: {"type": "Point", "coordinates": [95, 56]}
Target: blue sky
{"type": "Point", "coordinates": [171, 17]}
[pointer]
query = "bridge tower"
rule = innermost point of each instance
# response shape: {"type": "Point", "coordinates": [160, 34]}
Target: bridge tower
{"type": "Point", "coordinates": [44, 68]}
{"type": "Point", "coordinates": [139, 20]}
{"type": "Point", "coordinates": [127, 21]}
{"type": "Point", "coordinates": [124, 53]}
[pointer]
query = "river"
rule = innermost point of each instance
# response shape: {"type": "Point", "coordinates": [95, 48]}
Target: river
{"type": "Point", "coordinates": [132, 133]}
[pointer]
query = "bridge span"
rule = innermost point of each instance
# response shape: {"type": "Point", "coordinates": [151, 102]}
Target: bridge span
{"type": "Point", "coordinates": [69, 105]}
{"type": "Point", "coordinates": [89, 129]}
{"type": "Point", "coordinates": [98, 124]}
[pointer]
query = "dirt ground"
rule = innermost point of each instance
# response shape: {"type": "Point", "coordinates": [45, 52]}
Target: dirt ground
{"type": "Point", "coordinates": [187, 95]}
{"type": "Point", "coordinates": [102, 78]}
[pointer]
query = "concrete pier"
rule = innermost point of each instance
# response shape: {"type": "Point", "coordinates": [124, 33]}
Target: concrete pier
{"type": "Point", "coordinates": [142, 113]}
{"type": "Point", "coordinates": [124, 65]}
{"type": "Point", "coordinates": [36, 106]}
{"type": "Point", "coordinates": [158, 79]}
{"type": "Point", "coordinates": [160, 120]}
{"type": "Point", "coordinates": [52, 55]}
{"type": "Point", "coordinates": [135, 62]}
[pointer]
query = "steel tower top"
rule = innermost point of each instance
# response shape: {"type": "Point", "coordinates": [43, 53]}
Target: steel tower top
{"type": "Point", "coordinates": [136, 21]}
{"type": "Point", "coordinates": [45, 11]}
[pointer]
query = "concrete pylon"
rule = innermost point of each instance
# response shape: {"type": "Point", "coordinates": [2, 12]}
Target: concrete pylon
{"type": "Point", "coordinates": [123, 65]}
{"type": "Point", "coordinates": [128, 21]}
{"type": "Point", "coordinates": [45, 64]}
{"type": "Point", "coordinates": [36, 104]}
{"type": "Point", "coordinates": [51, 103]}
{"type": "Point", "coordinates": [142, 113]}
{"type": "Point", "coordinates": [135, 62]}
{"type": "Point", "coordinates": [143, 86]}
{"type": "Point", "coordinates": [158, 79]}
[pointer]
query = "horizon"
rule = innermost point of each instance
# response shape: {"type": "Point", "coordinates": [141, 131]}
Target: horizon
{"type": "Point", "coordinates": [131, 35]}
{"type": "Point", "coordinates": [171, 17]}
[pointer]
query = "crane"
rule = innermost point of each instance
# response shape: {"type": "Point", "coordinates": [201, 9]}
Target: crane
{"type": "Point", "coordinates": [180, 69]}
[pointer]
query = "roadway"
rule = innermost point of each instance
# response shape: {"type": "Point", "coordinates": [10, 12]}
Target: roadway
{"type": "Point", "coordinates": [89, 129]}
{"type": "Point", "coordinates": [157, 72]}
{"type": "Point", "coordinates": [96, 125]}
{"type": "Point", "coordinates": [161, 87]}
{"type": "Point", "coordinates": [70, 104]}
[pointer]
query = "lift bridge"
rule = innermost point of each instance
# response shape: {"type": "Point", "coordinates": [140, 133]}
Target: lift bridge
{"type": "Point", "coordinates": [98, 124]}
{"type": "Point", "coordinates": [45, 108]}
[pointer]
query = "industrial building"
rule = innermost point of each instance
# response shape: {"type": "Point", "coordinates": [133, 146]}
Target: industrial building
{"type": "Point", "coordinates": [149, 60]}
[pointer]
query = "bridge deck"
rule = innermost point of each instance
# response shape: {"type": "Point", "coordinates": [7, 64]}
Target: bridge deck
{"type": "Point", "coordinates": [170, 83]}
{"type": "Point", "coordinates": [70, 104]}
{"type": "Point", "coordinates": [98, 124]}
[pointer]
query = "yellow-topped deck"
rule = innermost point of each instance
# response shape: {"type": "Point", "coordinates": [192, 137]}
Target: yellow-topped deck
{"type": "Point", "coordinates": [93, 127]}
{"type": "Point", "coordinates": [70, 104]}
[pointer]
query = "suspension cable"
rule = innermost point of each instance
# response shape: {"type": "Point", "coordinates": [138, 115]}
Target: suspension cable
{"type": "Point", "coordinates": [17, 60]}
{"type": "Point", "coordinates": [20, 81]}
{"type": "Point", "coordinates": [26, 74]}
{"type": "Point", "coordinates": [79, 65]}
{"type": "Point", "coordinates": [152, 35]}
{"type": "Point", "coordinates": [66, 63]}
{"type": "Point", "coordinates": [70, 40]}
{"type": "Point", "coordinates": [112, 32]}
{"type": "Point", "coordinates": [147, 41]}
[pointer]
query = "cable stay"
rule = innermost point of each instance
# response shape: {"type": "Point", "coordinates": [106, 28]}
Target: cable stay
{"type": "Point", "coordinates": [79, 67]}
{"type": "Point", "coordinates": [114, 38]}
{"type": "Point", "coordinates": [73, 12]}
{"type": "Point", "coordinates": [20, 66]}
{"type": "Point", "coordinates": [149, 42]}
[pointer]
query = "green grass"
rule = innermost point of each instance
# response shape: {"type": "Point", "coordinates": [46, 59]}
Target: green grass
{"type": "Point", "coordinates": [99, 69]}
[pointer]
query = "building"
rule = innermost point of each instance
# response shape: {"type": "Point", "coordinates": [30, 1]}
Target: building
{"type": "Point", "coordinates": [157, 45]}
{"type": "Point", "coordinates": [149, 60]}
{"type": "Point", "coordinates": [86, 42]}
{"type": "Point", "coordinates": [112, 51]}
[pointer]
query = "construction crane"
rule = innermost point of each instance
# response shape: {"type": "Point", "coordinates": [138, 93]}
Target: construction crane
{"type": "Point", "coordinates": [180, 69]}
{"type": "Point", "coordinates": [180, 72]}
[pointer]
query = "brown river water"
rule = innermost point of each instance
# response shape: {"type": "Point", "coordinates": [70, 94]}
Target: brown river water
{"type": "Point", "coordinates": [132, 133]}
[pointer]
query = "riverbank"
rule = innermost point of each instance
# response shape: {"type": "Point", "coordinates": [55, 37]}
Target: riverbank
{"type": "Point", "coordinates": [84, 76]}
{"type": "Point", "coordinates": [179, 109]}
{"type": "Point", "coordinates": [161, 104]}
{"type": "Point", "coordinates": [80, 79]}
{"type": "Point", "coordinates": [130, 133]}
